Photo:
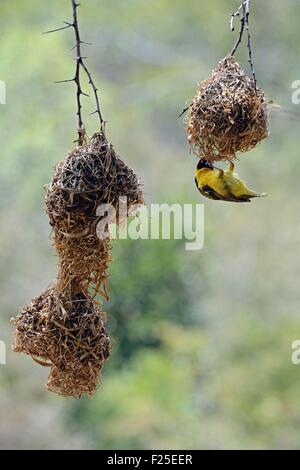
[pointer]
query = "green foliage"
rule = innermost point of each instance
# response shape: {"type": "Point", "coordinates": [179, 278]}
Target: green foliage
{"type": "Point", "coordinates": [150, 400]}
{"type": "Point", "coordinates": [147, 288]}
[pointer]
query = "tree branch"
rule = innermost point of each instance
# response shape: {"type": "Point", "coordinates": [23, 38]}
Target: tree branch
{"type": "Point", "coordinates": [95, 90]}
{"type": "Point", "coordinates": [80, 64]}
{"type": "Point", "coordinates": [249, 42]}
{"type": "Point", "coordinates": [242, 26]}
{"type": "Point", "coordinates": [80, 130]}
{"type": "Point", "coordinates": [243, 13]}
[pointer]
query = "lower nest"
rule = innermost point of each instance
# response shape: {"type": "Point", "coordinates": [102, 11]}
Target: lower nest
{"type": "Point", "coordinates": [66, 333]}
{"type": "Point", "coordinates": [228, 114]}
{"type": "Point", "coordinates": [74, 383]}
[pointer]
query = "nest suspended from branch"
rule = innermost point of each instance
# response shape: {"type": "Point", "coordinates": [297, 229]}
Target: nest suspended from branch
{"type": "Point", "coordinates": [89, 176]}
{"type": "Point", "coordinates": [63, 328]}
{"type": "Point", "coordinates": [228, 114]}
{"type": "Point", "coordinates": [66, 334]}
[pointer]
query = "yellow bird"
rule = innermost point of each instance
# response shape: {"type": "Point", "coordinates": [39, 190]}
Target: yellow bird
{"type": "Point", "coordinates": [221, 185]}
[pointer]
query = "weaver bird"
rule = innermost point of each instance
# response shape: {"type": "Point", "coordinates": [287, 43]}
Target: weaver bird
{"type": "Point", "coordinates": [220, 185]}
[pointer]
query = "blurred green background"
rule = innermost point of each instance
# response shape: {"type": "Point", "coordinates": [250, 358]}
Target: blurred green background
{"type": "Point", "coordinates": [202, 340]}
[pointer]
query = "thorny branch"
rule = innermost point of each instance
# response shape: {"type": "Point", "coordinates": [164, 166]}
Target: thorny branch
{"type": "Point", "coordinates": [243, 13]}
{"type": "Point", "coordinates": [242, 26]}
{"type": "Point", "coordinates": [80, 64]}
{"type": "Point", "coordinates": [80, 130]}
{"type": "Point", "coordinates": [249, 45]}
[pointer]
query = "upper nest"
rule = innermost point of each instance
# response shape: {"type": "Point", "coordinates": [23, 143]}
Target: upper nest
{"type": "Point", "coordinates": [228, 114]}
{"type": "Point", "coordinates": [90, 175]}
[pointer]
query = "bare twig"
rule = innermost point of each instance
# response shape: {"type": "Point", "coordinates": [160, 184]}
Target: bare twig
{"type": "Point", "coordinates": [243, 13]}
{"type": "Point", "coordinates": [237, 13]}
{"type": "Point", "coordinates": [249, 42]}
{"type": "Point", "coordinates": [242, 26]}
{"type": "Point", "coordinates": [95, 90]}
{"type": "Point", "coordinates": [80, 64]}
{"type": "Point", "coordinates": [80, 130]}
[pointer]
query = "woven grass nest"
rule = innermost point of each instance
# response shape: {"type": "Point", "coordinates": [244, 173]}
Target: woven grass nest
{"type": "Point", "coordinates": [63, 328]}
{"type": "Point", "coordinates": [67, 335]}
{"type": "Point", "coordinates": [228, 114]}
{"type": "Point", "coordinates": [89, 176]}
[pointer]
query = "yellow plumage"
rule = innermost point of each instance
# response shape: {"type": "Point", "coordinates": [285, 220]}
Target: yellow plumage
{"type": "Point", "coordinates": [217, 184]}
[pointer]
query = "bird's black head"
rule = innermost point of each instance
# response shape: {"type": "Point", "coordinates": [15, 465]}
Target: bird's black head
{"type": "Point", "coordinates": [203, 164]}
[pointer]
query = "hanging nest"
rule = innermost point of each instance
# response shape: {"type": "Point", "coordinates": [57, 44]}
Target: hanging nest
{"type": "Point", "coordinates": [89, 176]}
{"type": "Point", "coordinates": [228, 114]}
{"type": "Point", "coordinates": [66, 334]}
{"type": "Point", "coordinates": [63, 328]}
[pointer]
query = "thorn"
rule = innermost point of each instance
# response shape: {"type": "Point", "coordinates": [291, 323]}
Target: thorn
{"type": "Point", "coordinates": [184, 111]}
{"type": "Point", "coordinates": [81, 42]}
{"type": "Point", "coordinates": [65, 81]}
{"type": "Point", "coordinates": [58, 29]}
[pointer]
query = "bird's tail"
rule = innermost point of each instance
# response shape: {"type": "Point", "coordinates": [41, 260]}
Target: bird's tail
{"type": "Point", "coordinates": [254, 194]}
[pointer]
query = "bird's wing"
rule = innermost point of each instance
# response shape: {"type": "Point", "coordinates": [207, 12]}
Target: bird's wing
{"type": "Point", "coordinates": [211, 193]}
{"type": "Point", "coordinates": [220, 190]}
{"type": "Point", "coordinates": [236, 186]}
{"type": "Point", "coordinates": [207, 191]}
{"type": "Point", "coordinates": [243, 198]}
